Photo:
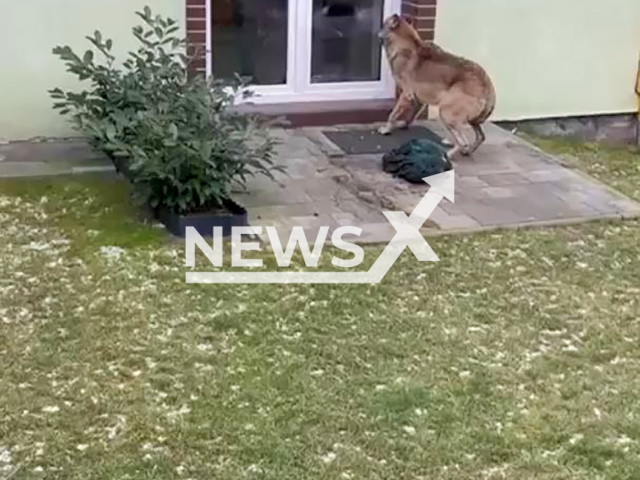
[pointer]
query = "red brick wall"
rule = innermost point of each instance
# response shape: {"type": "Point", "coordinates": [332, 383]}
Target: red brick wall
{"type": "Point", "coordinates": [423, 13]}
{"type": "Point", "coordinates": [197, 33]}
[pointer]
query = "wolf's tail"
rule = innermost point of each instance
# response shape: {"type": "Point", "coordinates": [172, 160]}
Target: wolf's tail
{"type": "Point", "coordinates": [489, 107]}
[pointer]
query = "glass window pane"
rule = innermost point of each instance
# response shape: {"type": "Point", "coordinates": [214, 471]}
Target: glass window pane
{"type": "Point", "coordinates": [250, 38]}
{"type": "Point", "coordinates": [345, 40]}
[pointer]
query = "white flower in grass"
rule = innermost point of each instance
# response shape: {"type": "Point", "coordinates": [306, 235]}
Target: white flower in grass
{"type": "Point", "coordinates": [409, 430]}
{"type": "Point", "coordinates": [576, 438]}
{"type": "Point", "coordinates": [51, 409]}
{"type": "Point", "coordinates": [112, 253]}
{"type": "Point", "coordinates": [5, 456]}
{"type": "Point", "coordinates": [624, 440]}
{"type": "Point", "coordinates": [329, 457]}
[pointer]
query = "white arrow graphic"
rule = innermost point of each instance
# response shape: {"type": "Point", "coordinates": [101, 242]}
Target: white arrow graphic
{"type": "Point", "coordinates": [408, 235]}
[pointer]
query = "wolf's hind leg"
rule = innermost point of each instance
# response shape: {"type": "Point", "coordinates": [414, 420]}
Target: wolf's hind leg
{"type": "Point", "coordinates": [460, 142]}
{"type": "Point", "coordinates": [480, 138]}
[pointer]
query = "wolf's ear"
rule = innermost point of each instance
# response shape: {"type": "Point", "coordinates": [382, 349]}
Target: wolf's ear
{"type": "Point", "coordinates": [394, 21]}
{"type": "Point", "coordinates": [409, 19]}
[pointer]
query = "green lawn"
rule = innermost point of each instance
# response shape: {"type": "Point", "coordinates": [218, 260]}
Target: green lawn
{"type": "Point", "coordinates": [619, 167]}
{"type": "Point", "coordinates": [515, 357]}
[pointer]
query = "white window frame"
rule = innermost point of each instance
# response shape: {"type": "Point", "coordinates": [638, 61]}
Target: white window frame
{"type": "Point", "coordinates": [299, 87]}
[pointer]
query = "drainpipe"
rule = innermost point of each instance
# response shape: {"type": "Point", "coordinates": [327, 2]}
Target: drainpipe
{"type": "Point", "coordinates": [638, 94]}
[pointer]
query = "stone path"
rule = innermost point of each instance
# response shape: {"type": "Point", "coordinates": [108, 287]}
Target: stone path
{"type": "Point", "coordinates": [50, 157]}
{"type": "Point", "coordinates": [508, 183]}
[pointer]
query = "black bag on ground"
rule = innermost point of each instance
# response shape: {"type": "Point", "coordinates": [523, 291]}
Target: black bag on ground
{"type": "Point", "coordinates": [415, 160]}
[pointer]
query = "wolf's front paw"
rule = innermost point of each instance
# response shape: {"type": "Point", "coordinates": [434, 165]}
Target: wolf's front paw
{"type": "Point", "coordinates": [386, 130]}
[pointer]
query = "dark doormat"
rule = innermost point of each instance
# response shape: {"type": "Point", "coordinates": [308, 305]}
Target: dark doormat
{"type": "Point", "coordinates": [359, 142]}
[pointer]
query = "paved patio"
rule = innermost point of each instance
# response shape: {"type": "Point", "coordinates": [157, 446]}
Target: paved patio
{"type": "Point", "coordinates": [508, 183]}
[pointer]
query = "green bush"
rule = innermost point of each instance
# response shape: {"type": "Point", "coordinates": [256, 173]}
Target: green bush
{"type": "Point", "coordinates": [175, 134]}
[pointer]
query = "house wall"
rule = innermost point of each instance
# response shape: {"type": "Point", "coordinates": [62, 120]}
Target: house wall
{"type": "Point", "coordinates": [29, 30]}
{"type": "Point", "coordinates": [549, 58]}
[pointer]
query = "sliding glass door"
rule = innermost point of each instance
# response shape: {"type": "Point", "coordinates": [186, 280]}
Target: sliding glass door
{"type": "Point", "coordinates": [302, 50]}
{"type": "Point", "coordinates": [250, 38]}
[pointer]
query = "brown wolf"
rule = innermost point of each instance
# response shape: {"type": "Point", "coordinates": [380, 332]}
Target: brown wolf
{"type": "Point", "coordinates": [428, 75]}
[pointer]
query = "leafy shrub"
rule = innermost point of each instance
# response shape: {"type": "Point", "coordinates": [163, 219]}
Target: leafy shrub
{"type": "Point", "coordinates": [175, 134]}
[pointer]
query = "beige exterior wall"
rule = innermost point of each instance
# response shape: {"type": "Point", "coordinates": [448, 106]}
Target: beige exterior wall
{"type": "Point", "coordinates": [549, 57]}
{"type": "Point", "coordinates": [29, 29]}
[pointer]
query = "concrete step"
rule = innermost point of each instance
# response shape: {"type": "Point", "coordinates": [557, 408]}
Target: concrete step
{"type": "Point", "coordinates": [311, 114]}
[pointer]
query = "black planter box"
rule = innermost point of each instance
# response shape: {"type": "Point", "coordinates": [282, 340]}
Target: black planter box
{"type": "Point", "coordinates": [205, 222]}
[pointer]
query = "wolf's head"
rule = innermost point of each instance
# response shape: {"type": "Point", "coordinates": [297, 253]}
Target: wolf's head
{"type": "Point", "coordinates": [397, 27]}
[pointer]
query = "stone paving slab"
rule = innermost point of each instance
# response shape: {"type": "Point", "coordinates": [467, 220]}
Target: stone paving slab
{"type": "Point", "coordinates": [51, 157]}
{"type": "Point", "coordinates": [50, 151]}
